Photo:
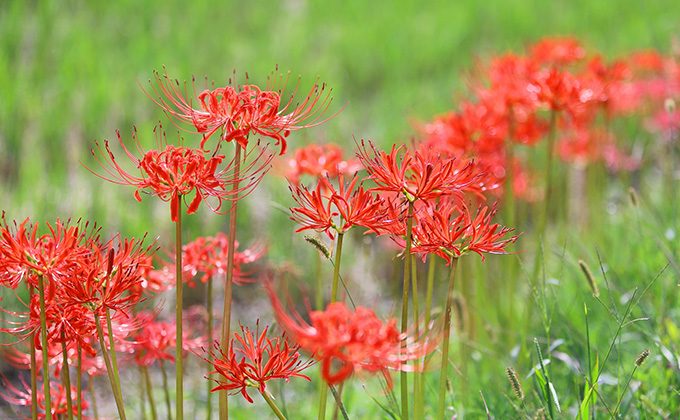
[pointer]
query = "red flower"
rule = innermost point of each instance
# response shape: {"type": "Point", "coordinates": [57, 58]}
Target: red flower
{"type": "Point", "coordinates": [240, 112]}
{"type": "Point", "coordinates": [22, 398]}
{"type": "Point", "coordinates": [347, 342]}
{"type": "Point", "coordinates": [179, 172]}
{"type": "Point", "coordinates": [558, 51]}
{"type": "Point", "coordinates": [339, 209]}
{"type": "Point", "coordinates": [25, 255]}
{"type": "Point", "coordinates": [449, 231]}
{"type": "Point", "coordinates": [208, 256]}
{"type": "Point", "coordinates": [319, 161]}
{"type": "Point", "coordinates": [253, 360]}
{"type": "Point", "coordinates": [417, 175]}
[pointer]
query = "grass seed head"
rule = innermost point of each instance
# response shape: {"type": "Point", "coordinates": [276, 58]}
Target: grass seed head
{"type": "Point", "coordinates": [589, 276]}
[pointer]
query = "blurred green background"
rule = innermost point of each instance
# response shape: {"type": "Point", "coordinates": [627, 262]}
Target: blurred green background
{"type": "Point", "coordinates": [70, 73]}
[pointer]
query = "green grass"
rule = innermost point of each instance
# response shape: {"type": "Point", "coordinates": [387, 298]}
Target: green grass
{"type": "Point", "coordinates": [70, 73]}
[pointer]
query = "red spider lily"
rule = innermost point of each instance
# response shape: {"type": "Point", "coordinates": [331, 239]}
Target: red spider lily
{"type": "Point", "coordinates": [252, 360]}
{"type": "Point", "coordinates": [243, 111]}
{"type": "Point", "coordinates": [327, 208]}
{"type": "Point", "coordinates": [111, 277]}
{"type": "Point", "coordinates": [21, 397]}
{"type": "Point", "coordinates": [609, 86]}
{"type": "Point", "coordinates": [208, 256]}
{"type": "Point", "coordinates": [449, 231]}
{"type": "Point", "coordinates": [319, 161]}
{"type": "Point", "coordinates": [156, 340]}
{"type": "Point", "coordinates": [25, 255]}
{"type": "Point", "coordinates": [558, 51]}
{"type": "Point", "coordinates": [171, 173]}
{"type": "Point", "coordinates": [416, 175]}
{"type": "Point", "coordinates": [559, 91]}
{"type": "Point", "coordinates": [347, 342]}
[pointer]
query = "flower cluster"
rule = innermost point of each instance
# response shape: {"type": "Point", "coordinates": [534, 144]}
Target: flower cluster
{"type": "Point", "coordinates": [556, 89]}
{"type": "Point", "coordinates": [253, 360]}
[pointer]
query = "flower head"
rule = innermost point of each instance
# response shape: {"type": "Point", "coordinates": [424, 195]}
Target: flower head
{"type": "Point", "coordinates": [319, 161]}
{"type": "Point", "coordinates": [208, 256]}
{"type": "Point", "coordinates": [417, 175]}
{"type": "Point", "coordinates": [178, 172]}
{"type": "Point", "coordinates": [239, 112]}
{"type": "Point", "coordinates": [328, 209]}
{"type": "Point", "coordinates": [253, 360]}
{"type": "Point", "coordinates": [347, 341]}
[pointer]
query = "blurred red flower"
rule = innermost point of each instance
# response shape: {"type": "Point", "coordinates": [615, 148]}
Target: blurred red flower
{"type": "Point", "coordinates": [348, 341]}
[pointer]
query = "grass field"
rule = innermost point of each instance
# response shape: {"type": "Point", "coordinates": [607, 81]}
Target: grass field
{"type": "Point", "coordinates": [72, 72]}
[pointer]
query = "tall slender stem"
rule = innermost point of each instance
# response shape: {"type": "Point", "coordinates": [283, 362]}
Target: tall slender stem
{"type": "Point", "coordinates": [404, 306]}
{"type": "Point", "coordinates": [209, 292]}
{"type": "Point", "coordinates": [109, 369]}
{"type": "Point", "coordinates": [267, 397]}
{"type": "Point", "coordinates": [149, 391]}
{"type": "Point", "coordinates": [66, 377]}
{"type": "Point", "coordinates": [45, 353]}
{"type": "Point", "coordinates": [431, 269]}
{"type": "Point", "coordinates": [338, 400]}
{"type": "Point", "coordinates": [93, 397]}
{"type": "Point", "coordinates": [34, 367]}
{"type": "Point", "coordinates": [323, 388]}
{"type": "Point", "coordinates": [112, 348]}
{"type": "Point", "coordinates": [79, 383]}
{"type": "Point", "coordinates": [166, 390]}
{"type": "Point", "coordinates": [142, 393]}
{"type": "Point", "coordinates": [418, 408]}
{"type": "Point", "coordinates": [179, 291]}
{"type": "Point", "coordinates": [226, 315]}
{"type": "Point", "coordinates": [545, 214]}
{"type": "Point", "coordinates": [336, 268]}
{"type": "Point", "coordinates": [445, 345]}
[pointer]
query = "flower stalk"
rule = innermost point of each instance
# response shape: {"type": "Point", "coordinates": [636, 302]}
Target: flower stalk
{"type": "Point", "coordinates": [43, 343]}
{"type": "Point", "coordinates": [66, 377]}
{"type": "Point", "coordinates": [120, 406]}
{"type": "Point", "coordinates": [403, 376]}
{"type": "Point", "coordinates": [446, 338]}
{"type": "Point", "coordinates": [179, 297]}
{"type": "Point", "coordinates": [270, 401]}
{"type": "Point", "coordinates": [149, 391]}
{"type": "Point", "coordinates": [226, 315]}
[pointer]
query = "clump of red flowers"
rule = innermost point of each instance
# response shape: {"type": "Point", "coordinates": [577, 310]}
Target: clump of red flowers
{"type": "Point", "coordinates": [347, 342]}
{"type": "Point", "coordinates": [255, 359]}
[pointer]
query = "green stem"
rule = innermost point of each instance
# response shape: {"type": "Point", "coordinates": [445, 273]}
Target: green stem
{"type": "Point", "coordinates": [66, 377]}
{"type": "Point", "coordinates": [45, 353]}
{"type": "Point", "coordinates": [93, 398]}
{"type": "Point", "coordinates": [623, 393]}
{"type": "Point", "coordinates": [431, 269]}
{"type": "Point", "coordinates": [112, 349]}
{"type": "Point", "coordinates": [418, 408]}
{"type": "Point", "coordinates": [404, 306]}
{"type": "Point", "coordinates": [338, 400]}
{"type": "Point", "coordinates": [142, 393]}
{"type": "Point", "coordinates": [208, 403]}
{"type": "Point", "coordinates": [79, 383]}
{"type": "Point", "coordinates": [34, 368]}
{"type": "Point", "coordinates": [166, 390]}
{"type": "Point", "coordinates": [319, 282]}
{"type": "Point", "coordinates": [445, 345]}
{"type": "Point", "coordinates": [109, 369]}
{"type": "Point", "coordinates": [179, 298]}
{"type": "Point", "coordinates": [336, 268]}
{"type": "Point", "coordinates": [267, 397]}
{"type": "Point", "coordinates": [226, 314]}
{"type": "Point", "coordinates": [149, 391]}
{"type": "Point", "coordinates": [323, 389]}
